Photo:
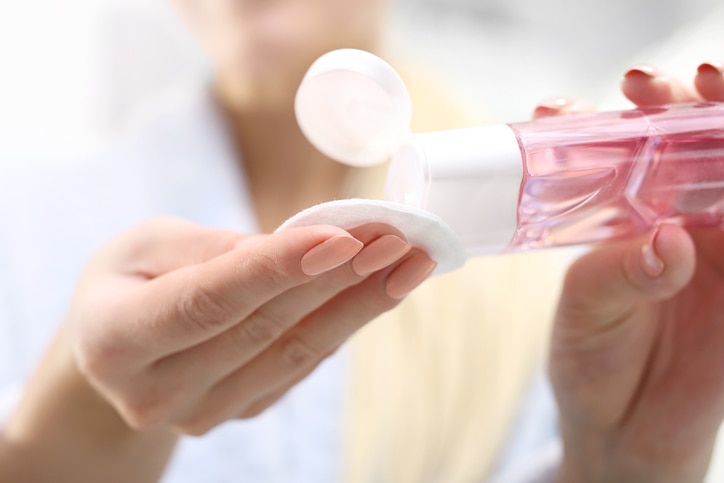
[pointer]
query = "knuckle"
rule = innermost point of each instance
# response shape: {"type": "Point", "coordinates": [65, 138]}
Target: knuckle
{"type": "Point", "coordinates": [197, 425]}
{"type": "Point", "coordinates": [90, 361]}
{"type": "Point", "coordinates": [193, 429]}
{"type": "Point", "coordinates": [140, 418]}
{"type": "Point", "coordinates": [268, 269]}
{"type": "Point", "coordinates": [202, 306]}
{"type": "Point", "coordinates": [98, 360]}
{"type": "Point", "coordinates": [204, 415]}
{"type": "Point", "coordinates": [143, 412]}
{"type": "Point", "coordinates": [262, 326]}
{"type": "Point", "coordinates": [297, 353]}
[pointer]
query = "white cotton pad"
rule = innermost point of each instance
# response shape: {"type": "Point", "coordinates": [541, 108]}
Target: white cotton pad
{"type": "Point", "coordinates": [422, 229]}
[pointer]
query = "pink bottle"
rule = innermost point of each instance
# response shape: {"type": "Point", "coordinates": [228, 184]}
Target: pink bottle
{"type": "Point", "coordinates": [551, 182]}
{"type": "Point", "coordinates": [568, 180]}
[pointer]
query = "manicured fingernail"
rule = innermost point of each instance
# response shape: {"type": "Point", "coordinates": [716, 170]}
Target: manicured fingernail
{"type": "Point", "coordinates": [644, 72]}
{"type": "Point", "coordinates": [330, 254]}
{"type": "Point", "coordinates": [411, 273]}
{"type": "Point", "coordinates": [558, 106]}
{"type": "Point", "coordinates": [555, 103]}
{"type": "Point", "coordinates": [379, 254]}
{"type": "Point", "coordinates": [650, 261]}
{"type": "Point", "coordinates": [551, 107]}
{"type": "Point", "coordinates": [716, 68]}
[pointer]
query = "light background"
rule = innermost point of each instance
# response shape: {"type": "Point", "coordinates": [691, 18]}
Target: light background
{"type": "Point", "coordinates": [74, 73]}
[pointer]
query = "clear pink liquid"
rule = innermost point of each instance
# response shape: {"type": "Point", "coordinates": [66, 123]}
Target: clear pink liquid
{"type": "Point", "coordinates": [612, 175]}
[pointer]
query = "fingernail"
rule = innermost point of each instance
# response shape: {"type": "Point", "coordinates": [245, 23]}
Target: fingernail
{"type": "Point", "coordinates": [650, 261]}
{"type": "Point", "coordinates": [644, 72]}
{"type": "Point", "coordinates": [550, 107]}
{"type": "Point", "coordinates": [716, 68]}
{"type": "Point", "coordinates": [330, 254]}
{"type": "Point", "coordinates": [411, 273]}
{"type": "Point", "coordinates": [379, 254]}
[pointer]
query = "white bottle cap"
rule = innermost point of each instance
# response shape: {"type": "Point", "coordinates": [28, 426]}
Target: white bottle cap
{"type": "Point", "coordinates": [354, 108]}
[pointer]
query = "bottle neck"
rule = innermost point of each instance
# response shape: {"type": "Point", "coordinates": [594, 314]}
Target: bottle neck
{"type": "Point", "coordinates": [468, 177]}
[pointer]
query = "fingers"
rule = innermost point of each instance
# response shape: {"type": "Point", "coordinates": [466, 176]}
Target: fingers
{"type": "Point", "coordinates": [208, 299]}
{"type": "Point", "coordinates": [605, 285]}
{"type": "Point", "coordinates": [176, 347]}
{"type": "Point", "coordinates": [647, 86]}
{"type": "Point", "coordinates": [193, 304]}
{"type": "Point", "coordinates": [561, 106]}
{"type": "Point", "coordinates": [709, 81]}
{"type": "Point", "coordinates": [186, 391]}
{"type": "Point", "coordinates": [295, 354]}
{"type": "Point", "coordinates": [215, 359]}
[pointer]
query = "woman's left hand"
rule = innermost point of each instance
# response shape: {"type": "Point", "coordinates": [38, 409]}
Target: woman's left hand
{"type": "Point", "coordinates": [637, 354]}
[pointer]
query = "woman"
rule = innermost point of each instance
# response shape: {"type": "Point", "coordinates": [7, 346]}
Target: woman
{"type": "Point", "coordinates": [239, 161]}
{"type": "Point", "coordinates": [433, 388]}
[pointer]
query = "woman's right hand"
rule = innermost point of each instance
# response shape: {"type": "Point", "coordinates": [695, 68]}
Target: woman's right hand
{"type": "Point", "coordinates": [636, 348]}
{"type": "Point", "coordinates": [185, 327]}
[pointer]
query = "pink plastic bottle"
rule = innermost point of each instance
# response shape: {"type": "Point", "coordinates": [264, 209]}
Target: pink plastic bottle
{"type": "Point", "coordinates": [551, 182]}
{"type": "Point", "coordinates": [568, 180]}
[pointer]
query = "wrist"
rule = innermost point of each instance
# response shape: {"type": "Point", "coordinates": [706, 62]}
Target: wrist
{"type": "Point", "coordinates": [64, 430]}
{"type": "Point", "coordinates": [610, 457]}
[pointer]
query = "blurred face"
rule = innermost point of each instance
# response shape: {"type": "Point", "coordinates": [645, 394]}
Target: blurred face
{"type": "Point", "coordinates": [270, 43]}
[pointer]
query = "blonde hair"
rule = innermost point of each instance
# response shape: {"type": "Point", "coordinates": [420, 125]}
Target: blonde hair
{"type": "Point", "coordinates": [435, 383]}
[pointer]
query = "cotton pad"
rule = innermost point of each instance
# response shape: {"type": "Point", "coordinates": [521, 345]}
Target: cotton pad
{"type": "Point", "coordinates": [422, 229]}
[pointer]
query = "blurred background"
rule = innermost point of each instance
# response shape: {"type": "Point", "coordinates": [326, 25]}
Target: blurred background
{"type": "Point", "coordinates": [75, 74]}
{"type": "Point", "coordinates": [509, 54]}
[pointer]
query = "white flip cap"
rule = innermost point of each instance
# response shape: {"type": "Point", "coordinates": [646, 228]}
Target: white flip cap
{"type": "Point", "coordinates": [354, 107]}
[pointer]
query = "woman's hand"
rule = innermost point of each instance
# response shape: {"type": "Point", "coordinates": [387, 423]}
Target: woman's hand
{"type": "Point", "coordinates": [637, 353]}
{"type": "Point", "coordinates": [182, 326]}
{"type": "Point", "coordinates": [179, 328]}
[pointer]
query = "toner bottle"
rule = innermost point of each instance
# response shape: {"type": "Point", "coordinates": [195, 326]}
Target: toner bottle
{"type": "Point", "coordinates": [551, 182]}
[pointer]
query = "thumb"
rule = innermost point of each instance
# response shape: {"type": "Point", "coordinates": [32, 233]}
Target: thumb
{"type": "Point", "coordinates": [164, 244]}
{"type": "Point", "coordinates": [606, 284]}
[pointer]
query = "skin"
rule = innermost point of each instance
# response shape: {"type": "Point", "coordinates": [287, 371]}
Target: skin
{"type": "Point", "coordinates": [260, 52]}
{"type": "Point", "coordinates": [176, 328]}
{"type": "Point", "coordinates": [122, 379]}
{"type": "Point", "coordinates": [636, 351]}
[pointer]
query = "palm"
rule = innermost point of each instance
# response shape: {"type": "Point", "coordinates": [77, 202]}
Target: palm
{"type": "Point", "coordinates": [650, 381]}
{"type": "Point", "coordinates": [635, 358]}
{"type": "Point", "coordinates": [679, 400]}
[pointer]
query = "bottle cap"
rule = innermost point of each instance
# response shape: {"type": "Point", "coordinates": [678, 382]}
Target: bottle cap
{"type": "Point", "coordinates": [354, 107]}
